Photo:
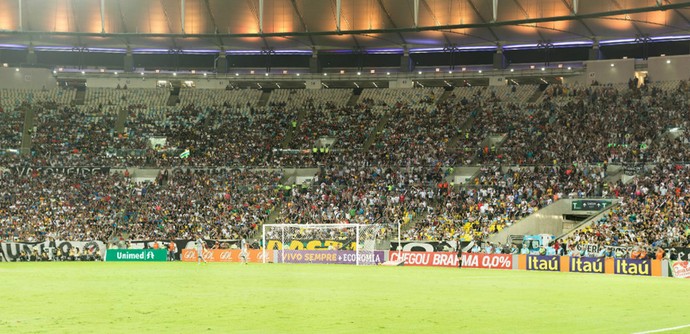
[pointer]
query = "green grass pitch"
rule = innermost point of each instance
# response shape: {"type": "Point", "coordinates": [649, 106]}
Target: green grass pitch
{"type": "Point", "coordinates": [290, 298]}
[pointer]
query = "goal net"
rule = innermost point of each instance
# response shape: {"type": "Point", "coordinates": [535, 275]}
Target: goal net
{"type": "Point", "coordinates": [324, 243]}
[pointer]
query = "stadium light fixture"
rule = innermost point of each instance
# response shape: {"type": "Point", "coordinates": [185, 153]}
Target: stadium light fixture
{"type": "Point", "coordinates": [464, 68]}
{"type": "Point", "coordinates": [420, 72]}
{"type": "Point", "coordinates": [372, 71]}
{"type": "Point", "coordinates": [388, 73]}
{"type": "Point", "coordinates": [4, 65]}
{"type": "Point", "coordinates": [174, 74]}
{"type": "Point", "coordinates": [480, 71]}
{"type": "Point", "coordinates": [543, 68]}
{"type": "Point", "coordinates": [297, 74]}
{"type": "Point", "coordinates": [142, 73]}
{"type": "Point", "coordinates": [613, 65]}
{"type": "Point", "coordinates": [342, 71]}
{"type": "Point", "coordinates": [205, 74]}
{"type": "Point", "coordinates": [531, 67]}
{"type": "Point", "coordinates": [668, 61]}
{"type": "Point", "coordinates": [115, 72]}
{"type": "Point", "coordinates": [102, 70]}
{"type": "Point", "coordinates": [265, 74]}
{"type": "Point", "coordinates": [438, 69]}
{"type": "Point", "coordinates": [325, 74]}
{"type": "Point", "coordinates": [237, 74]}
{"type": "Point", "coordinates": [512, 70]}
{"type": "Point", "coordinates": [285, 72]}
{"type": "Point", "coordinates": [560, 65]}
{"type": "Point", "coordinates": [359, 73]}
{"type": "Point", "coordinates": [54, 72]}
{"type": "Point", "coordinates": [450, 72]}
{"type": "Point", "coordinates": [569, 68]}
{"type": "Point", "coordinates": [193, 71]}
{"type": "Point", "coordinates": [82, 72]}
{"type": "Point", "coordinates": [158, 71]}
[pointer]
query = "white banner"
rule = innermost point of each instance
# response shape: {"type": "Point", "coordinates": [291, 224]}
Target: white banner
{"type": "Point", "coordinates": [10, 251]}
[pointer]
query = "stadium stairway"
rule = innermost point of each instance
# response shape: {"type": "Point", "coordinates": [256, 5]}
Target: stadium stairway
{"type": "Point", "coordinates": [446, 94]}
{"type": "Point", "coordinates": [265, 95]}
{"type": "Point", "coordinates": [537, 94]}
{"type": "Point", "coordinates": [27, 131]}
{"type": "Point", "coordinates": [355, 97]}
{"type": "Point", "coordinates": [301, 115]}
{"type": "Point", "coordinates": [376, 132]}
{"type": "Point", "coordinates": [174, 97]}
{"type": "Point", "coordinates": [492, 140]}
{"type": "Point", "coordinates": [80, 96]}
{"type": "Point", "coordinates": [122, 115]}
{"type": "Point", "coordinates": [463, 128]}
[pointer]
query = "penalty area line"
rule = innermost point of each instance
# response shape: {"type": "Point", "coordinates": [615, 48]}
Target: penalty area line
{"type": "Point", "coordinates": [663, 329]}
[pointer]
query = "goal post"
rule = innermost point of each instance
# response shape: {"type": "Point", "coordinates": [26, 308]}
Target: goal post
{"type": "Point", "coordinates": [356, 244]}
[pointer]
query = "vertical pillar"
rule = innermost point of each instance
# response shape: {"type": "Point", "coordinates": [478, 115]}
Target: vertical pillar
{"type": "Point", "coordinates": [31, 57]}
{"type": "Point", "coordinates": [128, 61]}
{"type": "Point", "coordinates": [314, 64]}
{"type": "Point", "coordinates": [222, 62]}
{"type": "Point", "coordinates": [499, 58]}
{"type": "Point", "coordinates": [406, 63]}
{"type": "Point", "coordinates": [594, 53]}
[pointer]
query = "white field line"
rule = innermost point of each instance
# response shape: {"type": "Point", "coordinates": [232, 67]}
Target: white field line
{"type": "Point", "coordinates": [664, 329]}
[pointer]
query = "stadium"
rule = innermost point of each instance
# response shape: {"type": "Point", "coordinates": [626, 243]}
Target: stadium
{"type": "Point", "coordinates": [376, 166]}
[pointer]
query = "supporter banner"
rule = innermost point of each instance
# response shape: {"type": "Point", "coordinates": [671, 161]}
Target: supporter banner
{"type": "Point", "coordinates": [632, 267]}
{"type": "Point", "coordinates": [589, 204]}
{"type": "Point", "coordinates": [430, 246]}
{"type": "Point", "coordinates": [139, 255]}
{"type": "Point", "coordinates": [632, 168]}
{"type": "Point", "coordinates": [205, 170]}
{"type": "Point", "coordinates": [225, 255]}
{"type": "Point", "coordinates": [310, 244]}
{"type": "Point", "coordinates": [328, 257]}
{"type": "Point", "coordinates": [10, 251]}
{"type": "Point", "coordinates": [25, 171]}
{"type": "Point", "coordinates": [674, 253]}
{"type": "Point", "coordinates": [587, 265]}
{"type": "Point", "coordinates": [543, 263]}
{"type": "Point", "coordinates": [680, 269]}
{"type": "Point", "coordinates": [450, 259]}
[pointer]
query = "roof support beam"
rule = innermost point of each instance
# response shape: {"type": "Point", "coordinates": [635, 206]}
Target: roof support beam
{"type": "Point", "coordinates": [301, 20]}
{"type": "Point", "coordinates": [261, 16]}
{"type": "Point", "coordinates": [495, 10]}
{"type": "Point", "coordinates": [182, 15]}
{"type": "Point", "coordinates": [21, 25]}
{"type": "Point", "coordinates": [338, 12]}
{"type": "Point", "coordinates": [102, 16]}
{"type": "Point", "coordinates": [476, 11]}
{"type": "Point", "coordinates": [416, 13]}
{"type": "Point", "coordinates": [428, 8]}
{"type": "Point", "coordinates": [390, 20]}
{"type": "Point", "coordinates": [573, 10]}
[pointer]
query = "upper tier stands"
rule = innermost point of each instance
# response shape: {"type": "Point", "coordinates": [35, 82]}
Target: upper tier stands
{"type": "Point", "coordinates": [139, 98]}
{"type": "Point", "coordinates": [237, 98]}
{"type": "Point", "coordinates": [309, 99]}
{"type": "Point", "coordinates": [10, 99]}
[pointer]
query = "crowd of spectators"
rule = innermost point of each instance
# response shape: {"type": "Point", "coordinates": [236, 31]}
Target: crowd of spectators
{"type": "Point", "coordinates": [179, 204]}
{"type": "Point", "coordinates": [569, 137]}
{"type": "Point", "coordinates": [497, 198]}
{"type": "Point", "coordinates": [654, 213]}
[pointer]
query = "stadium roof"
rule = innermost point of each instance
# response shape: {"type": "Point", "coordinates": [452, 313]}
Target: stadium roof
{"type": "Point", "coordinates": [300, 26]}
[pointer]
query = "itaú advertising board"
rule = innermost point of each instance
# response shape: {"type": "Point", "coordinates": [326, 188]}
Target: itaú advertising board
{"type": "Point", "coordinates": [224, 255]}
{"type": "Point", "coordinates": [449, 259]}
